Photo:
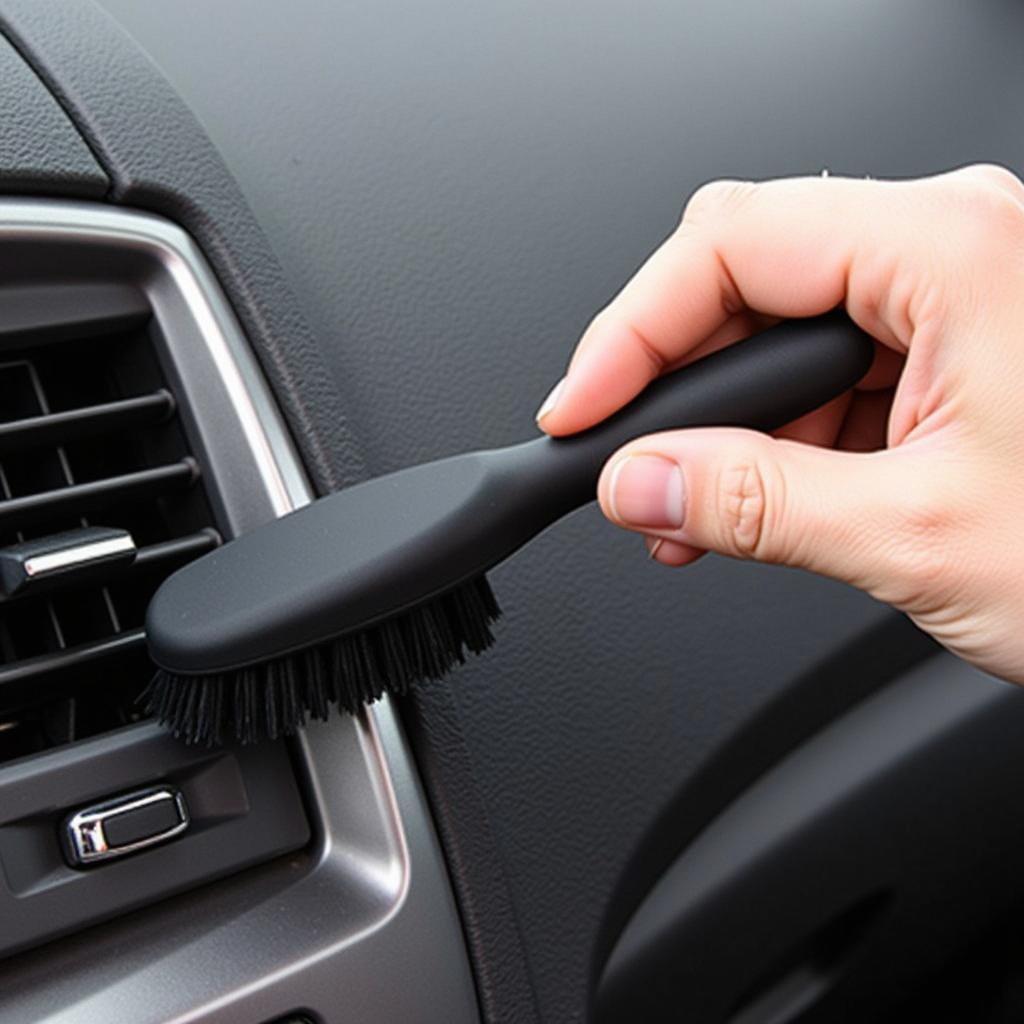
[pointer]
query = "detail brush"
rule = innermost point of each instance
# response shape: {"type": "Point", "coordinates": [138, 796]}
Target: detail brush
{"type": "Point", "coordinates": [382, 585]}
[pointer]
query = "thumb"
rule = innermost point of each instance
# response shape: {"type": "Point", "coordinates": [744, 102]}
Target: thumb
{"type": "Point", "coordinates": [747, 495]}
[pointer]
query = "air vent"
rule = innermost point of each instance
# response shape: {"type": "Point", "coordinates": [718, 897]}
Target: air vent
{"type": "Point", "coordinates": [93, 462]}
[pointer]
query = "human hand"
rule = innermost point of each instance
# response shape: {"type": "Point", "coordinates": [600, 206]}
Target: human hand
{"type": "Point", "coordinates": [911, 487]}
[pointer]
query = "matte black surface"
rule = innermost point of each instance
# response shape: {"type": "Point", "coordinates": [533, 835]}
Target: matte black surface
{"type": "Point", "coordinates": [42, 312]}
{"type": "Point", "coordinates": [54, 673]}
{"type": "Point", "coordinates": [40, 150]}
{"type": "Point", "coordinates": [78, 498]}
{"type": "Point", "coordinates": [352, 559]}
{"type": "Point", "coordinates": [860, 823]}
{"type": "Point", "coordinates": [134, 826]}
{"type": "Point", "coordinates": [453, 190]}
{"type": "Point", "coordinates": [74, 424]}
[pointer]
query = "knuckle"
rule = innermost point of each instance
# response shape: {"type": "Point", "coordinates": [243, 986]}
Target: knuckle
{"type": "Point", "coordinates": [716, 200]}
{"type": "Point", "coordinates": [998, 176]}
{"type": "Point", "coordinates": [991, 217]}
{"type": "Point", "coordinates": [745, 516]}
{"type": "Point", "coordinates": [923, 548]}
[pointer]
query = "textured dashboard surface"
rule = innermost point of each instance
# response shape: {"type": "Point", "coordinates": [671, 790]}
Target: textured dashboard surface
{"type": "Point", "coordinates": [158, 158]}
{"type": "Point", "coordinates": [40, 149]}
{"type": "Point", "coordinates": [453, 190]}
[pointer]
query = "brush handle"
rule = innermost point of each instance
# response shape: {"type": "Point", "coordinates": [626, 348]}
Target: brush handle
{"type": "Point", "coordinates": [762, 383]}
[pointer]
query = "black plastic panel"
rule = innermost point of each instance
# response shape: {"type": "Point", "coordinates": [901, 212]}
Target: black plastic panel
{"type": "Point", "coordinates": [244, 805]}
{"type": "Point", "coordinates": [843, 875]}
{"type": "Point", "coordinates": [49, 311]}
{"type": "Point", "coordinates": [142, 824]}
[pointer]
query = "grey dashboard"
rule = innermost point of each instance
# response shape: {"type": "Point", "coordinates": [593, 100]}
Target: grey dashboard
{"type": "Point", "coordinates": [444, 193]}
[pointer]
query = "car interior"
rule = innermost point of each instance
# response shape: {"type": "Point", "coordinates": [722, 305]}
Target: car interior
{"type": "Point", "coordinates": [254, 253]}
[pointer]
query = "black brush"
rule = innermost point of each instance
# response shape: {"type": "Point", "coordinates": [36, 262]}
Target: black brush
{"type": "Point", "coordinates": [380, 586]}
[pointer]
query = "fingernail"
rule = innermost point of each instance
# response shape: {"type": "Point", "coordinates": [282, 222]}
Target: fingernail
{"type": "Point", "coordinates": [647, 491]}
{"type": "Point", "coordinates": [653, 543]}
{"type": "Point", "coordinates": [551, 401]}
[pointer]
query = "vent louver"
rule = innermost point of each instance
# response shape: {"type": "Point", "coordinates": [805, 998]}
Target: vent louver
{"type": "Point", "coordinates": [89, 437]}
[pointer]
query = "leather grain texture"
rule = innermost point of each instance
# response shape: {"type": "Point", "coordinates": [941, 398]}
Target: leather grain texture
{"type": "Point", "coordinates": [158, 158]}
{"type": "Point", "coordinates": [454, 189]}
{"type": "Point", "coordinates": [40, 150]}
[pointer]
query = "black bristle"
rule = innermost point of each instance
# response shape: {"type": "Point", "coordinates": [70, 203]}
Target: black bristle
{"type": "Point", "coordinates": [275, 698]}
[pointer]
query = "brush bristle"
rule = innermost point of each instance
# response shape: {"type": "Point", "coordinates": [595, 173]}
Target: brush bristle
{"type": "Point", "coordinates": [276, 698]}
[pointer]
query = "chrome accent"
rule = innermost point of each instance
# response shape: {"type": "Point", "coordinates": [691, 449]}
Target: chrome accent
{"type": "Point", "coordinates": [86, 831]}
{"type": "Point", "coordinates": [69, 558]}
{"type": "Point", "coordinates": [84, 553]}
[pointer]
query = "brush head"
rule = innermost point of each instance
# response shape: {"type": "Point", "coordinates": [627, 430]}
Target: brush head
{"type": "Point", "coordinates": [276, 698]}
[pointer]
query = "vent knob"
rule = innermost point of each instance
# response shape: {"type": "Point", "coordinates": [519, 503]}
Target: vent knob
{"type": "Point", "coordinates": [124, 825]}
{"type": "Point", "coordinates": [70, 557]}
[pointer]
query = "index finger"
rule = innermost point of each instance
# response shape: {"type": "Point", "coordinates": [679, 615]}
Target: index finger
{"type": "Point", "coordinates": [785, 248]}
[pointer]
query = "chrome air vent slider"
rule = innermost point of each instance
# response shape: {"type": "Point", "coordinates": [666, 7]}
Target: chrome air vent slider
{"type": "Point", "coordinates": [90, 552]}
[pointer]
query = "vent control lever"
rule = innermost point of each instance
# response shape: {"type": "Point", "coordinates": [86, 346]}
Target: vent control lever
{"type": "Point", "coordinates": [84, 554]}
{"type": "Point", "coordinates": [124, 825]}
